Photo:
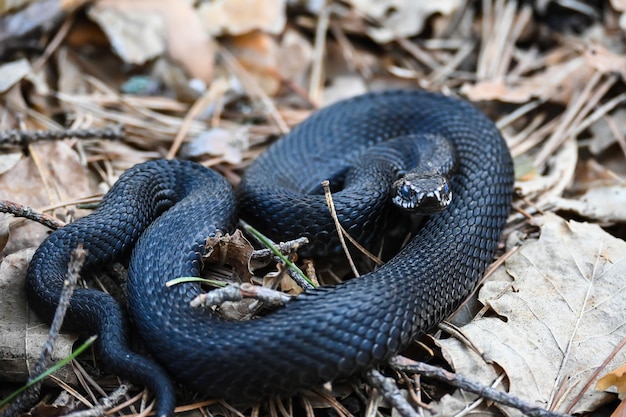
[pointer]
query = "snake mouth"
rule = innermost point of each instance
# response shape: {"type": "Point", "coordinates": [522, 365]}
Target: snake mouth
{"type": "Point", "coordinates": [424, 195]}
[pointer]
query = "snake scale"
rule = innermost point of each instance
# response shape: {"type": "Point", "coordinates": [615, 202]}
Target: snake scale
{"type": "Point", "coordinates": [160, 213]}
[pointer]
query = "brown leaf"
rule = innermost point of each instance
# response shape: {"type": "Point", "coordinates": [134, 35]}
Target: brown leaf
{"type": "Point", "coordinates": [270, 62]}
{"type": "Point", "coordinates": [22, 334]}
{"type": "Point", "coordinates": [558, 311]}
{"type": "Point", "coordinates": [59, 177]}
{"type": "Point", "coordinates": [234, 250]}
{"type": "Point", "coordinates": [615, 378]}
{"type": "Point", "coordinates": [237, 17]}
{"type": "Point", "coordinates": [257, 52]}
{"type": "Point", "coordinates": [400, 18]}
{"type": "Point", "coordinates": [140, 30]}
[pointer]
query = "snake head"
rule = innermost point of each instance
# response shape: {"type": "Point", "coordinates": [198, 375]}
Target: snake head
{"type": "Point", "coordinates": [422, 193]}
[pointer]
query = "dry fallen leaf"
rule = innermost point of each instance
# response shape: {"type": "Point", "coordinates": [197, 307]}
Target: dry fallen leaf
{"type": "Point", "coordinates": [559, 311]}
{"type": "Point", "coordinates": [401, 18]}
{"type": "Point", "coordinates": [294, 57]}
{"type": "Point", "coordinates": [8, 160]}
{"type": "Point", "coordinates": [21, 17]}
{"type": "Point", "coordinates": [601, 203]}
{"type": "Point", "coordinates": [547, 186]}
{"type": "Point", "coordinates": [58, 178]}
{"type": "Point", "coordinates": [234, 250]}
{"type": "Point", "coordinates": [237, 17]}
{"type": "Point", "coordinates": [22, 335]}
{"type": "Point", "coordinates": [257, 52]}
{"type": "Point", "coordinates": [226, 143]}
{"type": "Point", "coordinates": [12, 72]}
{"type": "Point", "coordinates": [140, 30]}
{"type": "Point", "coordinates": [615, 378]}
{"type": "Point", "coordinates": [344, 87]}
{"type": "Point", "coordinates": [269, 61]}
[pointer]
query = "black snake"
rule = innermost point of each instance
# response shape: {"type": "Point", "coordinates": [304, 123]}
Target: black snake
{"type": "Point", "coordinates": [166, 209]}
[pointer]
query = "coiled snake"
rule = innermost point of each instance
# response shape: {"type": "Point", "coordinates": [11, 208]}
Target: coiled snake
{"type": "Point", "coordinates": [164, 210]}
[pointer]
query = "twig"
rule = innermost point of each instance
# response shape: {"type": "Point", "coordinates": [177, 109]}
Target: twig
{"type": "Point", "coordinates": [105, 403]}
{"type": "Point", "coordinates": [19, 210]}
{"type": "Point", "coordinates": [418, 53]}
{"type": "Point", "coordinates": [519, 112]}
{"type": "Point", "coordinates": [332, 402]}
{"type": "Point", "coordinates": [558, 136]}
{"type": "Point", "coordinates": [343, 233]}
{"type": "Point", "coordinates": [254, 89]}
{"type": "Point", "coordinates": [333, 214]}
{"type": "Point", "coordinates": [15, 137]}
{"type": "Point", "coordinates": [237, 292]}
{"type": "Point", "coordinates": [264, 256]}
{"type": "Point", "coordinates": [388, 389]}
{"type": "Point", "coordinates": [467, 385]}
{"type": "Point", "coordinates": [56, 41]}
{"type": "Point", "coordinates": [443, 72]}
{"type": "Point", "coordinates": [214, 94]}
{"type": "Point", "coordinates": [30, 396]}
{"type": "Point", "coordinates": [77, 259]}
{"type": "Point", "coordinates": [294, 272]}
{"type": "Point", "coordinates": [285, 248]}
{"type": "Point", "coordinates": [319, 49]}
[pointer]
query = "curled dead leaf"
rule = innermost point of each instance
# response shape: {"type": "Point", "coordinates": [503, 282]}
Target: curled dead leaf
{"type": "Point", "coordinates": [234, 250]}
{"type": "Point", "coordinates": [401, 18]}
{"type": "Point", "coordinates": [601, 203]}
{"type": "Point", "coordinates": [616, 378]}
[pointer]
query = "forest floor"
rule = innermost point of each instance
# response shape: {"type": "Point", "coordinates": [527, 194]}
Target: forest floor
{"type": "Point", "coordinates": [113, 83]}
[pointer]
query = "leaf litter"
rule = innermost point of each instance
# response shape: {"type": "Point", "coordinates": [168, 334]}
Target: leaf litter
{"type": "Point", "coordinates": [553, 322]}
{"type": "Point", "coordinates": [216, 81]}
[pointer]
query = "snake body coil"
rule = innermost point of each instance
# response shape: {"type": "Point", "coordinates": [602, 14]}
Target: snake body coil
{"type": "Point", "coordinates": [169, 207]}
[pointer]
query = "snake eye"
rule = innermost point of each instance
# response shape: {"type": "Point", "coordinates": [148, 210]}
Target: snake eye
{"type": "Point", "coordinates": [446, 188]}
{"type": "Point", "coordinates": [405, 190]}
